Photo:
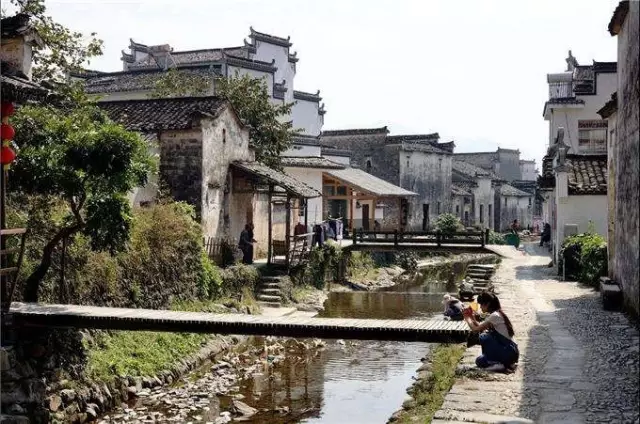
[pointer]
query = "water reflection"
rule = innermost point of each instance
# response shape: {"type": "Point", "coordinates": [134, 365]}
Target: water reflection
{"type": "Point", "coordinates": [382, 305]}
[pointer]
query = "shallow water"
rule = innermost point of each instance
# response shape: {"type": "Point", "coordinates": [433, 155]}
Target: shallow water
{"type": "Point", "coordinates": [343, 381]}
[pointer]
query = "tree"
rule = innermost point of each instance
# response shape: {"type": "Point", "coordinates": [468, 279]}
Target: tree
{"type": "Point", "coordinates": [270, 133]}
{"type": "Point", "coordinates": [82, 158]}
{"type": "Point", "coordinates": [64, 50]}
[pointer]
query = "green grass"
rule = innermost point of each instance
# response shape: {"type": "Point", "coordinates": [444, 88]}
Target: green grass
{"type": "Point", "coordinates": [145, 353]}
{"type": "Point", "coordinates": [429, 393]}
{"type": "Point", "coordinates": [139, 353]}
{"type": "Point", "coordinates": [300, 293]}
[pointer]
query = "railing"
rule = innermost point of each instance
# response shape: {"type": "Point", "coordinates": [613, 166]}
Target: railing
{"type": "Point", "coordinates": [560, 90]}
{"type": "Point", "coordinates": [420, 237]}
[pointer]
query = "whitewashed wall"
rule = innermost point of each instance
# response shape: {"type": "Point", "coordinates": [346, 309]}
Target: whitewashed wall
{"type": "Point", "coordinates": [343, 160]}
{"type": "Point", "coordinates": [313, 178]}
{"type": "Point", "coordinates": [306, 117]}
{"type": "Point", "coordinates": [298, 150]}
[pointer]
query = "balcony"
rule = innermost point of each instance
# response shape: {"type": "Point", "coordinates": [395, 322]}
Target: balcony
{"type": "Point", "coordinates": [560, 90]}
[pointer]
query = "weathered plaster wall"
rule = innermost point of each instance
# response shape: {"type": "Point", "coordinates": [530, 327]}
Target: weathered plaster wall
{"type": "Point", "coordinates": [627, 178]}
{"type": "Point", "coordinates": [581, 210]}
{"type": "Point", "coordinates": [224, 141]}
{"type": "Point", "coordinates": [528, 170]}
{"type": "Point", "coordinates": [483, 195]}
{"type": "Point", "coordinates": [299, 150]}
{"type": "Point", "coordinates": [509, 161]}
{"type": "Point", "coordinates": [429, 175]}
{"type": "Point", "coordinates": [459, 207]}
{"type": "Point", "coordinates": [514, 207]}
{"type": "Point", "coordinates": [267, 52]}
{"type": "Point", "coordinates": [343, 160]}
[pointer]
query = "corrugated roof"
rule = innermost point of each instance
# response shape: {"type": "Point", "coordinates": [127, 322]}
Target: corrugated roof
{"type": "Point", "coordinates": [286, 182]}
{"type": "Point", "coordinates": [509, 190]}
{"type": "Point", "coordinates": [309, 162]}
{"type": "Point", "coordinates": [587, 174]}
{"type": "Point", "coordinates": [368, 183]}
{"type": "Point", "coordinates": [161, 114]}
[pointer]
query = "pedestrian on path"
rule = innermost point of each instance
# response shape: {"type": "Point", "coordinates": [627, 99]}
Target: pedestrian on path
{"type": "Point", "coordinates": [499, 351]}
{"type": "Point", "coordinates": [246, 244]}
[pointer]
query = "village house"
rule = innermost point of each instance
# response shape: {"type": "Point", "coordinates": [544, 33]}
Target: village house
{"type": "Point", "coordinates": [474, 194]}
{"type": "Point", "coordinates": [622, 113]}
{"type": "Point", "coordinates": [574, 176]}
{"type": "Point", "coordinates": [417, 163]}
{"type": "Point", "coordinates": [206, 161]}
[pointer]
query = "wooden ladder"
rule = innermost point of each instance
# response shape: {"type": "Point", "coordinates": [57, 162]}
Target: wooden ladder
{"type": "Point", "coordinates": [9, 272]}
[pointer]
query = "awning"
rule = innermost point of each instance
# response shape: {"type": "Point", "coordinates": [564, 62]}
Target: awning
{"type": "Point", "coordinates": [367, 183]}
{"type": "Point", "coordinates": [282, 180]}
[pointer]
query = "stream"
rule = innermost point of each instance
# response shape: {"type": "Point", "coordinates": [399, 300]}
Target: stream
{"type": "Point", "coordinates": [303, 380]}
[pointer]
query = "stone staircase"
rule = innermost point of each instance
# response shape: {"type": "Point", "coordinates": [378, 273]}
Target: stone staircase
{"type": "Point", "coordinates": [268, 292]}
{"type": "Point", "coordinates": [479, 276]}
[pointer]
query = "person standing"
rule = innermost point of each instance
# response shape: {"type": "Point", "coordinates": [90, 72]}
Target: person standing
{"type": "Point", "coordinates": [246, 244]}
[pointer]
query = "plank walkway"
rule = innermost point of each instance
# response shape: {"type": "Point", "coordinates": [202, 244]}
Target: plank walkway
{"type": "Point", "coordinates": [76, 316]}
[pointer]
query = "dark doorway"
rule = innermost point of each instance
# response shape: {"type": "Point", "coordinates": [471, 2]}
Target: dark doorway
{"type": "Point", "coordinates": [425, 217]}
{"type": "Point", "coordinates": [365, 217]}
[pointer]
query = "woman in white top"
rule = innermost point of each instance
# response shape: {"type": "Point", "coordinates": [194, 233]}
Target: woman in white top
{"type": "Point", "coordinates": [499, 351]}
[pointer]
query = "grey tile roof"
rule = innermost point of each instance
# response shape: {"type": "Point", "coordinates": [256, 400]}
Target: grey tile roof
{"type": "Point", "coordinates": [414, 137]}
{"type": "Point", "coordinates": [472, 171]}
{"type": "Point", "coordinates": [195, 56]}
{"type": "Point", "coordinates": [610, 107]}
{"type": "Point", "coordinates": [306, 140]}
{"type": "Point", "coordinates": [138, 80]}
{"type": "Point", "coordinates": [161, 114]}
{"type": "Point", "coordinates": [278, 41]}
{"type": "Point", "coordinates": [309, 162]}
{"type": "Point", "coordinates": [458, 189]}
{"type": "Point", "coordinates": [420, 147]}
{"type": "Point", "coordinates": [509, 190]}
{"type": "Point", "coordinates": [356, 131]}
{"type": "Point", "coordinates": [20, 90]}
{"type": "Point", "coordinates": [618, 17]}
{"type": "Point", "coordinates": [587, 174]}
{"type": "Point", "coordinates": [311, 97]}
{"type": "Point", "coordinates": [369, 184]}
{"type": "Point", "coordinates": [330, 151]}
{"type": "Point", "coordinates": [282, 180]}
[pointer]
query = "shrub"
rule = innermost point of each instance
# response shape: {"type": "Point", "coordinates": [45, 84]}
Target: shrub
{"type": "Point", "coordinates": [496, 238]}
{"type": "Point", "coordinates": [584, 257]}
{"type": "Point", "coordinates": [407, 260]}
{"type": "Point", "coordinates": [209, 278]}
{"type": "Point", "coordinates": [448, 223]}
{"type": "Point", "coordinates": [324, 263]}
{"type": "Point", "coordinates": [238, 277]}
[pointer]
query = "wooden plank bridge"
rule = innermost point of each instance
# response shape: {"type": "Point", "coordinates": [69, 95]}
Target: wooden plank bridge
{"type": "Point", "coordinates": [76, 316]}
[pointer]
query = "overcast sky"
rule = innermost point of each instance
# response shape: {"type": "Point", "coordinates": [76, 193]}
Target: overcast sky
{"type": "Point", "coordinates": [473, 71]}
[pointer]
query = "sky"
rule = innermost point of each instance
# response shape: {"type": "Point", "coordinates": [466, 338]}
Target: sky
{"type": "Point", "coordinates": [473, 71]}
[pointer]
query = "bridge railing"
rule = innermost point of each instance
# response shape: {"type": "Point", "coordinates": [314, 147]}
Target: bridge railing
{"type": "Point", "coordinates": [420, 237]}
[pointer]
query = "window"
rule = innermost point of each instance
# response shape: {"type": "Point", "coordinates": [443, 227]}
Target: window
{"type": "Point", "coordinates": [490, 213]}
{"type": "Point", "coordinates": [505, 201]}
{"type": "Point", "coordinates": [592, 135]}
{"type": "Point", "coordinates": [438, 208]}
{"type": "Point", "coordinates": [439, 164]}
{"type": "Point", "coordinates": [482, 214]}
{"type": "Point", "coordinates": [529, 201]}
{"type": "Point", "coordinates": [457, 209]}
{"type": "Point", "coordinates": [368, 166]}
{"type": "Point", "coordinates": [224, 135]}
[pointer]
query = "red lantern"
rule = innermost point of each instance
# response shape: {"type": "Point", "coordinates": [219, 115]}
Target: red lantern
{"type": "Point", "coordinates": [7, 155]}
{"type": "Point", "coordinates": [7, 109]}
{"type": "Point", "coordinates": [7, 132]}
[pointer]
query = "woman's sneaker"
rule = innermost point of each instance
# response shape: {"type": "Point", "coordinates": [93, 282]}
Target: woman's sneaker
{"type": "Point", "coordinates": [496, 368]}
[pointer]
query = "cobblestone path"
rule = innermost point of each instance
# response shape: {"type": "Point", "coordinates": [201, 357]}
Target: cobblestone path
{"type": "Point", "coordinates": [578, 363]}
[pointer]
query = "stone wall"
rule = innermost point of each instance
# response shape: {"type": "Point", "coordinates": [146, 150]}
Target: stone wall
{"type": "Point", "coordinates": [627, 151]}
{"type": "Point", "coordinates": [509, 164]}
{"type": "Point", "coordinates": [181, 165]}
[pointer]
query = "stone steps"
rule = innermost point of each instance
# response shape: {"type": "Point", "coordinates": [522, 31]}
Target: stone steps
{"type": "Point", "coordinates": [268, 292]}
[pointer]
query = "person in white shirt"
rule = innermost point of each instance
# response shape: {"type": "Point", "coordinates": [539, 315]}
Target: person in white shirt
{"type": "Point", "coordinates": [499, 351]}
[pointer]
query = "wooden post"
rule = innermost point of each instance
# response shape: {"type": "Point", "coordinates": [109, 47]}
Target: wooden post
{"type": "Point", "coordinates": [350, 200]}
{"type": "Point", "coordinates": [395, 238]}
{"type": "Point", "coordinates": [306, 214]}
{"type": "Point", "coordinates": [287, 230]}
{"type": "Point", "coordinates": [270, 228]}
{"type": "Point", "coordinates": [355, 237]}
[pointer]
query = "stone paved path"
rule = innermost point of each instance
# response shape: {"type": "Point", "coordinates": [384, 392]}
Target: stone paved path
{"type": "Point", "coordinates": [578, 363]}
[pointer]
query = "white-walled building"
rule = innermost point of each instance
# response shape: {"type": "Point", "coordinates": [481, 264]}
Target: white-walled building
{"type": "Point", "coordinates": [574, 177]}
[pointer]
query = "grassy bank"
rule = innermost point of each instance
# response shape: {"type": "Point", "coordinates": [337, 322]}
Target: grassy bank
{"type": "Point", "coordinates": [429, 392]}
{"type": "Point", "coordinates": [146, 353]}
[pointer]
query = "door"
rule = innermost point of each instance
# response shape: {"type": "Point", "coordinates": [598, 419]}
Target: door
{"type": "Point", "coordinates": [365, 217]}
{"type": "Point", "coordinates": [425, 217]}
